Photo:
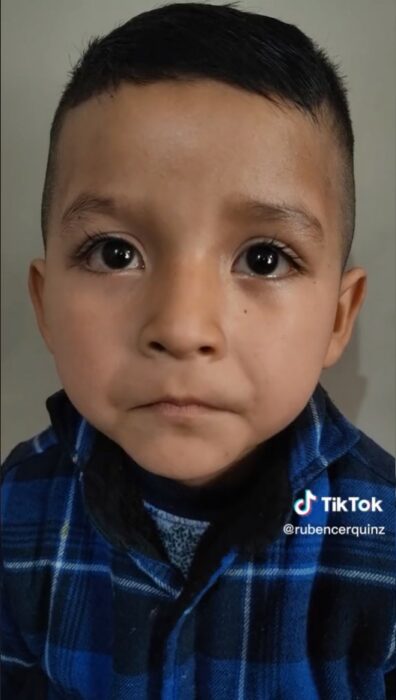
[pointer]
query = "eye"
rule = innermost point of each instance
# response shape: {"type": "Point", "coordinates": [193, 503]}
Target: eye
{"type": "Point", "coordinates": [267, 260]}
{"type": "Point", "coordinates": [105, 253]}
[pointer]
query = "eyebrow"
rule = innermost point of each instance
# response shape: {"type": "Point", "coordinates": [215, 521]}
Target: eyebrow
{"type": "Point", "coordinates": [87, 203]}
{"type": "Point", "coordinates": [92, 203]}
{"type": "Point", "coordinates": [298, 215]}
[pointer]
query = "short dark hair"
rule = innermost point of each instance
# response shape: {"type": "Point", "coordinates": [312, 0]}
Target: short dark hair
{"type": "Point", "coordinates": [196, 40]}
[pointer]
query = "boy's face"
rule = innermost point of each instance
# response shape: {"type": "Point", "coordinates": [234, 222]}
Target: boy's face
{"type": "Point", "coordinates": [182, 304]}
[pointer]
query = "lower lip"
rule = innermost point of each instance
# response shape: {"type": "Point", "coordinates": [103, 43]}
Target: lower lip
{"type": "Point", "coordinates": [173, 410]}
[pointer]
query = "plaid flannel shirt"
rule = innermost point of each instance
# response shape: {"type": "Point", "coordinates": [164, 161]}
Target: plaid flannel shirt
{"type": "Point", "coordinates": [92, 607]}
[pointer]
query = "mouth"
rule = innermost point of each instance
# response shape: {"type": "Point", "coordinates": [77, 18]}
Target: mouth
{"type": "Point", "coordinates": [180, 407]}
{"type": "Point", "coordinates": [168, 408]}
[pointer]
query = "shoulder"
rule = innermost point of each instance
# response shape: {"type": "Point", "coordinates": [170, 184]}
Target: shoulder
{"type": "Point", "coordinates": [29, 449]}
{"type": "Point", "coordinates": [31, 458]}
{"type": "Point", "coordinates": [374, 462]}
{"type": "Point", "coordinates": [364, 476]}
{"type": "Point", "coordinates": [365, 470]}
{"type": "Point", "coordinates": [350, 445]}
{"type": "Point", "coordinates": [31, 476]}
{"type": "Point", "coordinates": [358, 453]}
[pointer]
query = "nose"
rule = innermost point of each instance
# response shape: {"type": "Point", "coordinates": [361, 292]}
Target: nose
{"type": "Point", "coordinates": [184, 316]}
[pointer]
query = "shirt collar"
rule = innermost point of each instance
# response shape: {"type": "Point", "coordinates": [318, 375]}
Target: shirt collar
{"type": "Point", "coordinates": [73, 431]}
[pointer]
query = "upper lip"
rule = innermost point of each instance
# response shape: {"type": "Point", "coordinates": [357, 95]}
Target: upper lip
{"type": "Point", "coordinates": [182, 401]}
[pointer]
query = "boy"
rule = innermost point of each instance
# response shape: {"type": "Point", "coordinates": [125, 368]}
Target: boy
{"type": "Point", "coordinates": [199, 521]}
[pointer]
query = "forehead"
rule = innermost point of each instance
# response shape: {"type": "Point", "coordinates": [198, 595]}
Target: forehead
{"type": "Point", "coordinates": [197, 147]}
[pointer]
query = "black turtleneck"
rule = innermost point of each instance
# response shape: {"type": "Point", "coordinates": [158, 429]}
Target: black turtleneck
{"type": "Point", "coordinates": [205, 502]}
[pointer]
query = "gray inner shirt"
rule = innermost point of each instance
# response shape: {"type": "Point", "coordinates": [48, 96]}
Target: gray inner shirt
{"type": "Point", "coordinates": [180, 535]}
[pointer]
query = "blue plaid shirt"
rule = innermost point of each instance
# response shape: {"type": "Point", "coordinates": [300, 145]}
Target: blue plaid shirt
{"type": "Point", "coordinates": [290, 594]}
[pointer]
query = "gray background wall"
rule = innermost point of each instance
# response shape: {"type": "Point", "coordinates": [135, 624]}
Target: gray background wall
{"type": "Point", "coordinates": [42, 40]}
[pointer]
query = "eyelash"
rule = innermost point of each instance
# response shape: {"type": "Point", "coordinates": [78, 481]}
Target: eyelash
{"type": "Point", "coordinates": [93, 241]}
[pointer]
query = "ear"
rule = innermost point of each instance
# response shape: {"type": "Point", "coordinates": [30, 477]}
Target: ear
{"type": "Point", "coordinates": [351, 296]}
{"type": "Point", "coordinates": [36, 281]}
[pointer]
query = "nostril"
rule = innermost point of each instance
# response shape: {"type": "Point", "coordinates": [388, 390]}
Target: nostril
{"type": "Point", "coordinates": [206, 350]}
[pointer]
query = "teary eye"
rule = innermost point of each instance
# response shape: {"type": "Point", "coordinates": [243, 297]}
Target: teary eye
{"type": "Point", "coordinates": [106, 253]}
{"type": "Point", "coordinates": [267, 259]}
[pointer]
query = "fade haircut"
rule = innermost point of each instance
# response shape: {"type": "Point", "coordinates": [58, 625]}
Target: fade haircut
{"type": "Point", "coordinates": [188, 41]}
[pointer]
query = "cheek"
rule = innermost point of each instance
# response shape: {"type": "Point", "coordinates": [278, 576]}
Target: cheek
{"type": "Point", "coordinates": [285, 354]}
{"type": "Point", "coordinates": [85, 334]}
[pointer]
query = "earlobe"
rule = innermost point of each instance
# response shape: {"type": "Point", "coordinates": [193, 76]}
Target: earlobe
{"type": "Point", "coordinates": [352, 294]}
{"type": "Point", "coordinates": [36, 281]}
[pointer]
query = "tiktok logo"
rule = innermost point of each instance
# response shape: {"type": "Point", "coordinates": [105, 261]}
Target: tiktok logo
{"type": "Point", "coordinates": [336, 504]}
{"type": "Point", "coordinates": [303, 506]}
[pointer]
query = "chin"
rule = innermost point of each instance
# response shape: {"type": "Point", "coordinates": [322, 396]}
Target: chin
{"type": "Point", "coordinates": [183, 464]}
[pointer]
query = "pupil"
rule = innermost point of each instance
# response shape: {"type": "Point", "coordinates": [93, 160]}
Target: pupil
{"type": "Point", "coordinates": [116, 254]}
{"type": "Point", "coordinates": [262, 259]}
